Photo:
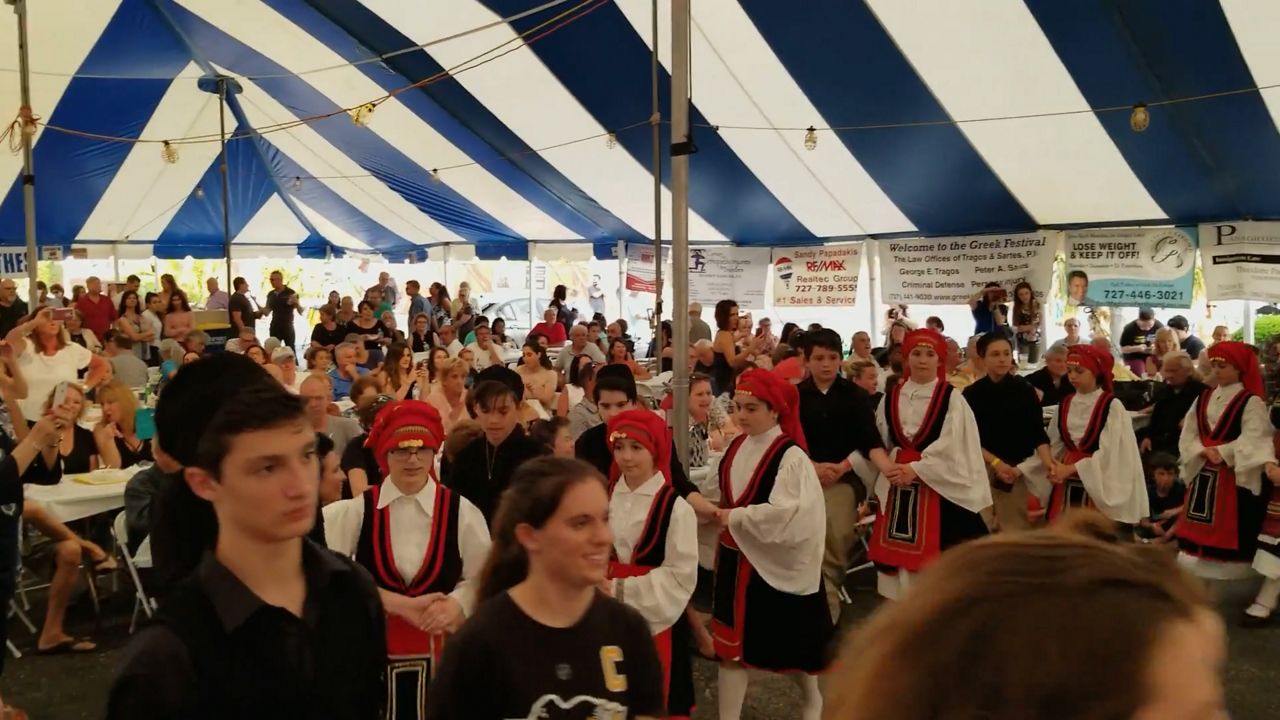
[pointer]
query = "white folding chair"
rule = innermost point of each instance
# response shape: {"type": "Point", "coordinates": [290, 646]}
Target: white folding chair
{"type": "Point", "coordinates": [865, 528]}
{"type": "Point", "coordinates": [140, 559]}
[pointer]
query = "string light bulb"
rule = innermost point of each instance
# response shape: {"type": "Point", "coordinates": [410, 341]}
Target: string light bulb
{"type": "Point", "coordinates": [435, 176]}
{"type": "Point", "coordinates": [169, 153]}
{"type": "Point", "coordinates": [810, 138]}
{"type": "Point", "coordinates": [199, 193]}
{"type": "Point", "coordinates": [611, 140]}
{"type": "Point", "coordinates": [363, 115]}
{"type": "Point", "coordinates": [1140, 119]}
{"type": "Point", "coordinates": [297, 184]}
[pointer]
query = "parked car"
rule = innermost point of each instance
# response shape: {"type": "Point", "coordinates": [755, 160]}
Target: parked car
{"type": "Point", "coordinates": [515, 313]}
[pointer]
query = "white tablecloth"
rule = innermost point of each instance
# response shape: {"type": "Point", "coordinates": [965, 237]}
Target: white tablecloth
{"type": "Point", "coordinates": [70, 500]}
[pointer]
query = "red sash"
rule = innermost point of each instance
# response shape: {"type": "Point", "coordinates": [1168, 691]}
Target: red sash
{"type": "Point", "coordinates": [1070, 493]}
{"type": "Point", "coordinates": [405, 640]}
{"type": "Point", "coordinates": [907, 531]}
{"type": "Point", "coordinates": [1210, 516]}
{"type": "Point", "coordinates": [662, 641]}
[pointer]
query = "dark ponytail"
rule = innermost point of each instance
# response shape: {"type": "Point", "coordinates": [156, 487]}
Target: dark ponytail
{"type": "Point", "coordinates": [536, 489]}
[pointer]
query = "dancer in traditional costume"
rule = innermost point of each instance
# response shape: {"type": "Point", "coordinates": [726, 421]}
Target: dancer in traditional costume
{"type": "Point", "coordinates": [423, 543]}
{"type": "Point", "coordinates": [1095, 453]}
{"type": "Point", "coordinates": [769, 610]}
{"type": "Point", "coordinates": [931, 496]}
{"type": "Point", "coordinates": [654, 567]}
{"type": "Point", "coordinates": [1224, 449]}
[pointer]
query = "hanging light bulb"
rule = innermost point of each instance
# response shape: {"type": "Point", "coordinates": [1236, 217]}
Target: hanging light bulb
{"type": "Point", "coordinates": [297, 184]}
{"type": "Point", "coordinates": [169, 153]}
{"type": "Point", "coordinates": [611, 140]}
{"type": "Point", "coordinates": [810, 138]}
{"type": "Point", "coordinates": [435, 176]}
{"type": "Point", "coordinates": [199, 193]}
{"type": "Point", "coordinates": [1140, 119]}
{"type": "Point", "coordinates": [363, 115]}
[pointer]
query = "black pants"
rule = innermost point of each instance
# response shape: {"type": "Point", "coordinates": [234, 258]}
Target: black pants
{"type": "Point", "coordinates": [286, 336]}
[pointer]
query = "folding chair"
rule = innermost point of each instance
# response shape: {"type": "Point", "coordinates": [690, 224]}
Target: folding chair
{"type": "Point", "coordinates": [14, 609]}
{"type": "Point", "coordinates": [864, 530]}
{"type": "Point", "coordinates": [140, 559]}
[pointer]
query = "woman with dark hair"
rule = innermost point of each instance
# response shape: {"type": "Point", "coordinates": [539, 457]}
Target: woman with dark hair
{"type": "Point", "coordinates": [618, 354]}
{"type": "Point", "coordinates": [498, 334]}
{"type": "Point", "coordinates": [396, 373]}
{"type": "Point", "coordinates": [538, 376]}
{"type": "Point", "coordinates": [728, 360]}
{"type": "Point", "coordinates": [1123, 615]}
{"type": "Point", "coordinates": [332, 479]}
{"type": "Point", "coordinates": [442, 310]}
{"type": "Point", "coordinates": [553, 435]}
{"type": "Point", "coordinates": [168, 286]}
{"type": "Point", "coordinates": [420, 337]}
{"type": "Point", "coordinates": [179, 322]}
{"type": "Point", "coordinates": [1026, 322]}
{"type": "Point", "coordinates": [543, 631]}
{"type": "Point", "coordinates": [371, 332]}
{"type": "Point", "coordinates": [787, 331]}
{"type": "Point", "coordinates": [436, 359]}
{"type": "Point", "coordinates": [564, 315]}
{"type": "Point", "coordinates": [131, 323]}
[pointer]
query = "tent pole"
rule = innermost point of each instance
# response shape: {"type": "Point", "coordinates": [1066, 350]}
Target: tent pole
{"type": "Point", "coordinates": [655, 122]}
{"type": "Point", "coordinates": [226, 192]}
{"type": "Point", "coordinates": [532, 312]}
{"type": "Point", "coordinates": [621, 253]}
{"type": "Point", "coordinates": [27, 130]}
{"type": "Point", "coordinates": [680, 20]}
{"type": "Point", "coordinates": [873, 289]}
{"type": "Point", "coordinates": [1247, 326]}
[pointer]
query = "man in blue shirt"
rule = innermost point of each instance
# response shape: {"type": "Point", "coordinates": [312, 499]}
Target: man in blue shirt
{"type": "Point", "coordinates": [345, 370]}
{"type": "Point", "coordinates": [988, 311]}
{"type": "Point", "coordinates": [417, 303]}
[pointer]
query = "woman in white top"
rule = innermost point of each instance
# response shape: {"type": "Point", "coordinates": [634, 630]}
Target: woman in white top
{"type": "Point", "coordinates": [654, 567]}
{"type": "Point", "coordinates": [1096, 458]}
{"type": "Point", "coordinates": [769, 611]}
{"type": "Point", "coordinates": [48, 357]}
{"type": "Point", "coordinates": [423, 544]}
{"type": "Point", "coordinates": [931, 493]}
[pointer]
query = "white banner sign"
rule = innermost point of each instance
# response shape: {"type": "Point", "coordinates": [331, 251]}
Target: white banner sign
{"type": "Point", "coordinates": [1241, 260]}
{"type": "Point", "coordinates": [641, 271]}
{"type": "Point", "coordinates": [728, 273]}
{"type": "Point", "coordinates": [822, 275]}
{"type": "Point", "coordinates": [1130, 266]}
{"type": "Point", "coordinates": [13, 262]}
{"type": "Point", "coordinates": [949, 270]}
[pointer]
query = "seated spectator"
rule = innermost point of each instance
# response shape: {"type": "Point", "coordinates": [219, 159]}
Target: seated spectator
{"type": "Point", "coordinates": [171, 358]}
{"type": "Point", "coordinates": [470, 337]}
{"type": "Point", "coordinates": [703, 359]}
{"type": "Point", "coordinates": [1174, 399]}
{"type": "Point", "coordinates": [242, 341]}
{"type": "Point", "coordinates": [962, 374]}
{"type": "Point", "coordinates": [553, 435]}
{"type": "Point", "coordinates": [449, 395]}
{"type": "Point", "coordinates": [125, 365]}
{"type": "Point", "coordinates": [287, 364]}
{"type": "Point", "coordinates": [1186, 340]}
{"type": "Point", "coordinates": [197, 341]}
{"type": "Point", "coordinates": [499, 331]}
{"type": "Point", "coordinates": [1165, 493]}
{"type": "Point", "coordinates": [332, 479]}
{"type": "Point", "coordinates": [866, 375]}
{"type": "Point", "coordinates": [421, 339]}
{"type": "Point", "coordinates": [373, 335]}
{"type": "Point", "coordinates": [579, 344]}
{"type": "Point", "coordinates": [345, 371]}
{"type": "Point", "coordinates": [117, 433]}
{"type": "Point", "coordinates": [346, 310]}
{"type": "Point", "coordinates": [316, 397]}
{"type": "Point", "coordinates": [396, 374]}
{"type": "Point", "coordinates": [81, 335]}
{"type": "Point", "coordinates": [710, 428]}
{"type": "Point", "coordinates": [178, 318]}
{"type": "Point", "coordinates": [595, 334]}
{"type": "Point", "coordinates": [1051, 381]}
{"type": "Point", "coordinates": [394, 334]}
{"type": "Point", "coordinates": [539, 378]}
{"type": "Point", "coordinates": [1166, 342]}
{"type": "Point", "coordinates": [358, 461]}
{"type": "Point", "coordinates": [437, 357]}
{"type": "Point", "coordinates": [449, 340]}
{"type": "Point", "coordinates": [619, 355]}
{"type": "Point", "coordinates": [933, 322]}
{"type": "Point", "coordinates": [553, 330]}
{"type": "Point", "coordinates": [79, 450]}
{"type": "Point", "coordinates": [485, 351]}
{"type": "Point", "coordinates": [318, 359]}
{"type": "Point", "coordinates": [584, 414]}
{"type": "Point", "coordinates": [362, 353]}
{"type": "Point", "coordinates": [328, 332]}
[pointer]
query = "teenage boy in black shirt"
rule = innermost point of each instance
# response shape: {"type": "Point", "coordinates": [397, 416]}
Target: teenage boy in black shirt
{"type": "Point", "coordinates": [1010, 427]}
{"type": "Point", "coordinates": [269, 624]}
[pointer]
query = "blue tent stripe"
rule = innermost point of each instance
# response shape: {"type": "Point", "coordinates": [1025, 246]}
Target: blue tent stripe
{"type": "Point", "coordinates": [606, 66]}
{"type": "Point", "coordinates": [337, 22]}
{"type": "Point", "coordinates": [73, 173]}
{"type": "Point", "coordinates": [379, 158]}
{"type": "Point", "coordinates": [853, 72]}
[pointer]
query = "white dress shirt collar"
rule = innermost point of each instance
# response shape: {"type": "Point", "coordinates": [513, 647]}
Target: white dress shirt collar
{"type": "Point", "coordinates": [649, 488]}
{"type": "Point", "coordinates": [426, 497]}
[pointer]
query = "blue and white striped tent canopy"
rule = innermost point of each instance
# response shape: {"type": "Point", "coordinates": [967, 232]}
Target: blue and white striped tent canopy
{"type": "Point", "coordinates": [518, 132]}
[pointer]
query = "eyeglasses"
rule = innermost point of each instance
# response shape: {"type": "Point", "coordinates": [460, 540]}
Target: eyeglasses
{"type": "Point", "coordinates": [403, 454]}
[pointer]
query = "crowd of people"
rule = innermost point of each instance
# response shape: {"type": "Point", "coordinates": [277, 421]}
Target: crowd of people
{"type": "Point", "coordinates": [522, 521]}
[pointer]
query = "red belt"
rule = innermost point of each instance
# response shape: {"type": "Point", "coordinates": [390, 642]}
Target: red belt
{"type": "Point", "coordinates": [662, 641]}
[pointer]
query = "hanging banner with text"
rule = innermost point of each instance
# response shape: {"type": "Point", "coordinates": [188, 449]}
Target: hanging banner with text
{"type": "Point", "coordinates": [1241, 261]}
{"type": "Point", "coordinates": [948, 271]}
{"type": "Point", "coordinates": [13, 262]}
{"type": "Point", "coordinates": [818, 276]}
{"type": "Point", "coordinates": [641, 272]}
{"type": "Point", "coordinates": [724, 273]}
{"type": "Point", "coordinates": [1131, 266]}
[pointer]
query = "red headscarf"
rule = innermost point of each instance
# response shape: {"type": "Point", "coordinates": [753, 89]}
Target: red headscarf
{"type": "Point", "coordinates": [792, 370]}
{"type": "Point", "coordinates": [929, 338]}
{"type": "Point", "coordinates": [1242, 357]}
{"type": "Point", "coordinates": [1095, 360]}
{"type": "Point", "coordinates": [647, 428]}
{"type": "Point", "coordinates": [407, 423]}
{"type": "Point", "coordinates": [781, 395]}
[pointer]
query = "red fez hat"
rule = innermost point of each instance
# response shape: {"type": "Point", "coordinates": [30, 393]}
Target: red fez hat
{"type": "Point", "coordinates": [929, 338]}
{"type": "Point", "coordinates": [1095, 360]}
{"type": "Point", "coordinates": [1242, 357]}
{"type": "Point", "coordinates": [781, 395]}
{"type": "Point", "coordinates": [407, 423]}
{"type": "Point", "coordinates": [647, 428]}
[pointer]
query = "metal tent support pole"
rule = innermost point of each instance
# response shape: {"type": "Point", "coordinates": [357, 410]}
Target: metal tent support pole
{"type": "Point", "coordinates": [622, 278]}
{"type": "Point", "coordinates": [655, 121]}
{"type": "Point", "coordinates": [680, 22]}
{"type": "Point", "coordinates": [533, 313]}
{"type": "Point", "coordinates": [873, 289]}
{"type": "Point", "coordinates": [1247, 328]}
{"type": "Point", "coordinates": [225, 172]}
{"type": "Point", "coordinates": [27, 130]}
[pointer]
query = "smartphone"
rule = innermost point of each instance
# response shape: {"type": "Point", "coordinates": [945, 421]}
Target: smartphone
{"type": "Point", "coordinates": [62, 314]}
{"type": "Point", "coordinates": [60, 394]}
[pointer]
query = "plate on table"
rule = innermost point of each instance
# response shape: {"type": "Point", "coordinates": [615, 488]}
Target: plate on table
{"type": "Point", "coordinates": [108, 476]}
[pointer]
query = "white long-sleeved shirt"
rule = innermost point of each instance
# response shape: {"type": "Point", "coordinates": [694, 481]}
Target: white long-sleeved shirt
{"type": "Point", "coordinates": [661, 595]}
{"type": "Point", "coordinates": [1246, 455]}
{"type": "Point", "coordinates": [411, 518]}
{"type": "Point", "coordinates": [1113, 475]}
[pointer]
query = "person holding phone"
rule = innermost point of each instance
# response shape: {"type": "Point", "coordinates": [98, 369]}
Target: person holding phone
{"type": "Point", "coordinates": [989, 311]}
{"type": "Point", "coordinates": [47, 356]}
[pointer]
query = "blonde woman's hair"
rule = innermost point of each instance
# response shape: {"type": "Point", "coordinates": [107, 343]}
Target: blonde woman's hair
{"type": "Point", "coordinates": [116, 391]}
{"type": "Point", "coordinates": [854, 368]}
{"type": "Point", "coordinates": [1180, 357]}
{"type": "Point", "coordinates": [171, 350]}
{"type": "Point", "coordinates": [454, 365]}
{"type": "Point", "coordinates": [48, 402]}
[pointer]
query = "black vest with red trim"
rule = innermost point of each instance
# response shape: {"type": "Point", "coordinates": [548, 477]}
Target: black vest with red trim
{"type": "Point", "coordinates": [930, 426]}
{"type": "Point", "coordinates": [1088, 444]}
{"type": "Point", "coordinates": [763, 476]}
{"type": "Point", "coordinates": [1230, 423]}
{"type": "Point", "coordinates": [441, 568]}
{"type": "Point", "coordinates": [650, 549]}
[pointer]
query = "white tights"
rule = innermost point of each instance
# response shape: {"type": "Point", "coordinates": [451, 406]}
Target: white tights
{"type": "Point", "coordinates": [733, 692]}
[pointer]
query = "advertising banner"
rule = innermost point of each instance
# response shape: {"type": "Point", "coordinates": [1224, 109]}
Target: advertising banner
{"type": "Point", "coordinates": [13, 262]}
{"type": "Point", "coordinates": [949, 270]}
{"type": "Point", "coordinates": [1131, 266]}
{"type": "Point", "coordinates": [720, 273]}
{"type": "Point", "coordinates": [822, 275]}
{"type": "Point", "coordinates": [1241, 260]}
{"type": "Point", "coordinates": [641, 273]}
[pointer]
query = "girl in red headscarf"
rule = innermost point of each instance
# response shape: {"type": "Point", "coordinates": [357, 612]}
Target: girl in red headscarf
{"type": "Point", "coordinates": [931, 495]}
{"type": "Point", "coordinates": [769, 610]}
{"type": "Point", "coordinates": [1226, 451]}
{"type": "Point", "coordinates": [1096, 460]}
{"type": "Point", "coordinates": [654, 568]}
{"type": "Point", "coordinates": [423, 543]}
